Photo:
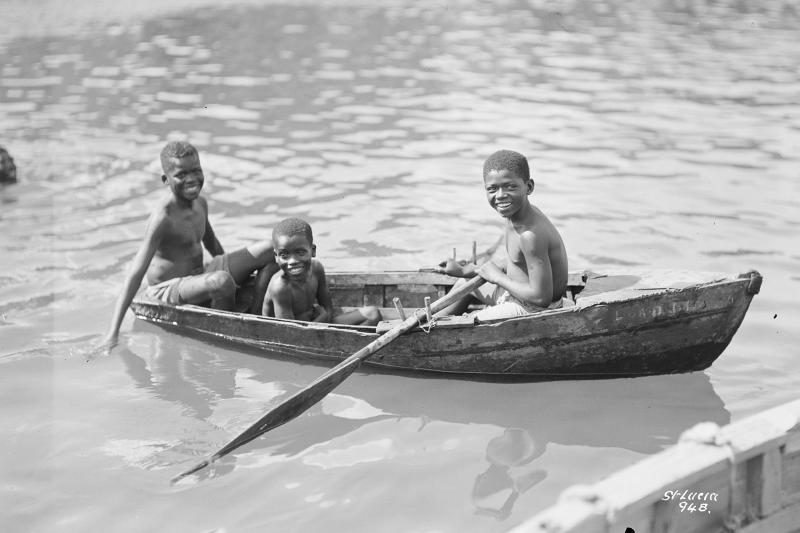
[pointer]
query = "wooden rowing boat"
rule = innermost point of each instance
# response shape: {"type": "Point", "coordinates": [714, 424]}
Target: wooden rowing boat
{"type": "Point", "coordinates": [622, 324]}
{"type": "Point", "coordinates": [617, 323]}
{"type": "Point", "coordinates": [743, 477]}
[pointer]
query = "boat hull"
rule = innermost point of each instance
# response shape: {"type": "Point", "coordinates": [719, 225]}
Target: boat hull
{"type": "Point", "coordinates": [633, 330]}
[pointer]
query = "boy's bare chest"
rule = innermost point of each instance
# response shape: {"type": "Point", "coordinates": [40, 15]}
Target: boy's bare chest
{"type": "Point", "coordinates": [304, 294]}
{"type": "Point", "coordinates": [188, 227]}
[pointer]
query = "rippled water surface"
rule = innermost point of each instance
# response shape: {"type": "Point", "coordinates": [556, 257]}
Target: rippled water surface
{"type": "Point", "coordinates": [661, 133]}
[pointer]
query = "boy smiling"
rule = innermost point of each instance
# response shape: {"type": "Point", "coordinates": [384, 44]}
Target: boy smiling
{"type": "Point", "coordinates": [171, 254]}
{"type": "Point", "coordinates": [300, 291]}
{"type": "Point", "coordinates": [535, 276]}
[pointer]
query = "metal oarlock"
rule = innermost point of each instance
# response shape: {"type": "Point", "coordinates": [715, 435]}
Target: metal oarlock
{"type": "Point", "coordinates": [474, 252]}
{"type": "Point", "coordinates": [454, 255]}
{"type": "Point", "coordinates": [399, 306]}
{"type": "Point", "coordinates": [429, 320]}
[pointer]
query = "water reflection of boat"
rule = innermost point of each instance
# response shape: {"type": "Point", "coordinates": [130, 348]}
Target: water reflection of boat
{"type": "Point", "coordinates": [642, 415]}
{"type": "Point", "coordinates": [639, 414]}
{"type": "Point", "coordinates": [634, 323]}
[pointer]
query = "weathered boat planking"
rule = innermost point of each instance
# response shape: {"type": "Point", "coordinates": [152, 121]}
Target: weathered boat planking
{"type": "Point", "coordinates": [621, 323]}
{"type": "Point", "coordinates": [743, 477]}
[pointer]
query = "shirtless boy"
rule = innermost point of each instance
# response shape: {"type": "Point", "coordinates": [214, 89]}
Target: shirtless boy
{"type": "Point", "coordinates": [535, 276]}
{"type": "Point", "coordinates": [171, 254]}
{"type": "Point", "coordinates": [300, 291]}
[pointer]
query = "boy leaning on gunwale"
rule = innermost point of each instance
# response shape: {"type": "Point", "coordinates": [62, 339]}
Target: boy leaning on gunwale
{"type": "Point", "coordinates": [535, 276]}
{"type": "Point", "coordinates": [171, 253]}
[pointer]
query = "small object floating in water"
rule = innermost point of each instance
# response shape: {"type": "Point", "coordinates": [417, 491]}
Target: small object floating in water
{"type": "Point", "coordinates": [8, 170]}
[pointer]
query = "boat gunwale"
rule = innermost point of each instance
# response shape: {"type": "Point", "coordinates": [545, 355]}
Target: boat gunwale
{"type": "Point", "coordinates": [368, 331]}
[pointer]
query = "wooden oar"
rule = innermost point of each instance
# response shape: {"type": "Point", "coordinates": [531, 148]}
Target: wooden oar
{"type": "Point", "coordinates": [313, 393]}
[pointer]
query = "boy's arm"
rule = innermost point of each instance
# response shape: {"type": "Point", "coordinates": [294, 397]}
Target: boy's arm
{"type": "Point", "coordinates": [133, 279]}
{"type": "Point", "coordinates": [260, 291]}
{"type": "Point", "coordinates": [458, 269]}
{"type": "Point", "coordinates": [266, 305]}
{"type": "Point", "coordinates": [323, 294]}
{"type": "Point", "coordinates": [210, 240]}
{"type": "Point", "coordinates": [539, 289]}
{"type": "Point", "coordinates": [281, 299]}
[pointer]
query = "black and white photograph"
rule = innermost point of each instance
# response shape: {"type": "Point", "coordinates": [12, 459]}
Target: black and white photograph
{"type": "Point", "coordinates": [400, 266]}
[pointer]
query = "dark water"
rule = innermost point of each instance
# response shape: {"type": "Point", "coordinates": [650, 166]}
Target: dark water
{"type": "Point", "coordinates": [661, 134]}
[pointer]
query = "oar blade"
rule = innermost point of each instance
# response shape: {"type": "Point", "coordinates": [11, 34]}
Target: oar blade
{"type": "Point", "coordinates": [293, 406]}
{"type": "Point", "coordinates": [287, 410]}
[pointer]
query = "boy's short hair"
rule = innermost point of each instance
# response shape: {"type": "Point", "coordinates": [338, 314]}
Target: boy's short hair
{"type": "Point", "coordinates": [507, 160]}
{"type": "Point", "coordinates": [292, 226]}
{"type": "Point", "coordinates": [175, 150]}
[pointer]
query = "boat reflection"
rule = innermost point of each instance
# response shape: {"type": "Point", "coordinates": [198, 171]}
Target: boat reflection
{"type": "Point", "coordinates": [229, 390]}
{"type": "Point", "coordinates": [643, 415]}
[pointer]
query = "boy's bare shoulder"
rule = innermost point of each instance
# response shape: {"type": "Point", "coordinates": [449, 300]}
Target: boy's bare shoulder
{"type": "Point", "coordinates": [160, 216]}
{"type": "Point", "coordinates": [541, 233]}
{"type": "Point", "coordinates": [277, 283]}
{"type": "Point", "coordinates": [536, 235]}
{"type": "Point", "coordinates": [317, 268]}
{"type": "Point", "coordinates": [203, 203]}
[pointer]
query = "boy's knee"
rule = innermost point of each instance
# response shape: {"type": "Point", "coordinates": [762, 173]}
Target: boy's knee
{"type": "Point", "coordinates": [373, 314]}
{"type": "Point", "coordinates": [262, 252]}
{"type": "Point", "coordinates": [220, 284]}
{"type": "Point", "coordinates": [270, 269]}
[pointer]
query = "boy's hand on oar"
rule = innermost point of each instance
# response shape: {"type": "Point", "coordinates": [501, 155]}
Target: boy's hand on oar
{"type": "Point", "coordinates": [490, 272]}
{"type": "Point", "coordinates": [453, 268]}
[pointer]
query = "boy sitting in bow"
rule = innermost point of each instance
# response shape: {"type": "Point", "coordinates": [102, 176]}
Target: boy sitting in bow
{"type": "Point", "coordinates": [535, 276]}
{"type": "Point", "coordinates": [300, 290]}
{"type": "Point", "coordinates": [171, 254]}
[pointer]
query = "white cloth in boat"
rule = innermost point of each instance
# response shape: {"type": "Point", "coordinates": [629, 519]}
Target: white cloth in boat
{"type": "Point", "coordinates": [501, 304]}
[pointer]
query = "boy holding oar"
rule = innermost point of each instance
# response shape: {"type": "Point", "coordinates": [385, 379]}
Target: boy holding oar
{"type": "Point", "coordinates": [171, 254]}
{"type": "Point", "coordinates": [535, 276]}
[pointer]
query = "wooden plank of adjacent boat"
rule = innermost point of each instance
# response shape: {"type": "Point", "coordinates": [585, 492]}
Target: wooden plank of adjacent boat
{"type": "Point", "coordinates": [743, 477]}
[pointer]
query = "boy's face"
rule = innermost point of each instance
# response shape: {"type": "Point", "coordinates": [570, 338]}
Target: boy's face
{"type": "Point", "coordinates": [506, 191]}
{"type": "Point", "coordinates": [293, 254]}
{"type": "Point", "coordinates": [184, 177]}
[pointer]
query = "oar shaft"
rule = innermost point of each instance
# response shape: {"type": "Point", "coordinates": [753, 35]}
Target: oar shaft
{"type": "Point", "coordinates": [319, 388]}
